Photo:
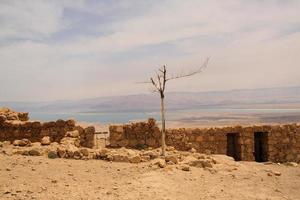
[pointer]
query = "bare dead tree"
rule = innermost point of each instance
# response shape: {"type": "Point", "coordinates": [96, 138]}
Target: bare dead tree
{"type": "Point", "coordinates": [159, 83]}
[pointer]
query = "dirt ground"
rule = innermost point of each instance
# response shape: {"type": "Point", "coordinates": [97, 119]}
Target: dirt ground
{"type": "Point", "coordinates": [25, 177]}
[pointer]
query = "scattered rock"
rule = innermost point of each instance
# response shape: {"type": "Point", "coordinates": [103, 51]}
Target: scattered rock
{"type": "Point", "coordinates": [2, 118]}
{"type": "Point", "coordinates": [73, 134]}
{"type": "Point", "coordinates": [193, 150]}
{"type": "Point", "coordinates": [120, 158]}
{"type": "Point", "coordinates": [77, 155]}
{"type": "Point", "coordinates": [71, 150]}
{"type": "Point", "coordinates": [70, 141]}
{"type": "Point", "coordinates": [276, 173]}
{"type": "Point", "coordinates": [171, 158]}
{"type": "Point", "coordinates": [135, 159]}
{"type": "Point", "coordinates": [52, 154]}
{"type": "Point", "coordinates": [45, 140]}
{"type": "Point", "coordinates": [292, 164]}
{"type": "Point", "coordinates": [170, 148]}
{"type": "Point", "coordinates": [84, 152]}
{"type": "Point", "coordinates": [115, 188]}
{"type": "Point", "coordinates": [145, 158]}
{"type": "Point", "coordinates": [61, 151]}
{"type": "Point", "coordinates": [151, 154]}
{"type": "Point", "coordinates": [269, 174]}
{"type": "Point", "coordinates": [22, 143]}
{"type": "Point", "coordinates": [160, 162]}
{"type": "Point", "coordinates": [194, 162]}
{"type": "Point", "coordinates": [185, 168]}
{"type": "Point", "coordinates": [34, 152]}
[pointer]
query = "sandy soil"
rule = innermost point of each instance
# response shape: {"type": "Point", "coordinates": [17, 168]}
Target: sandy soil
{"type": "Point", "coordinates": [24, 177]}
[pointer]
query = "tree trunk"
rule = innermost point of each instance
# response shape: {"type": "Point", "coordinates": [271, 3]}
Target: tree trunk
{"type": "Point", "coordinates": [163, 126]}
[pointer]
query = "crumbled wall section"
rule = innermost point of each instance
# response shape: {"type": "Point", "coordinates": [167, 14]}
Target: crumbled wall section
{"type": "Point", "coordinates": [283, 142]}
{"type": "Point", "coordinates": [35, 131]}
{"type": "Point", "coordinates": [135, 135]}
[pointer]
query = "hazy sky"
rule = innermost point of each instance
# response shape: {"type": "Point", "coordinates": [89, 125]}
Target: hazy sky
{"type": "Point", "coordinates": [80, 49]}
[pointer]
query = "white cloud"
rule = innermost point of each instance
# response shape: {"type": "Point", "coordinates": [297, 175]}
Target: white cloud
{"type": "Point", "coordinates": [32, 19]}
{"type": "Point", "coordinates": [246, 41]}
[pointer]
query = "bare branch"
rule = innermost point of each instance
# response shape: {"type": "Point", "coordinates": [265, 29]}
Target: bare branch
{"type": "Point", "coordinates": [182, 75]}
{"type": "Point", "coordinates": [155, 84]}
{"type": "Point", "coordinates": [143, 82]}
{"type": "Point", "coordinates": [159, 81]}
{"type": "Point", "coordinates": [165, 78]}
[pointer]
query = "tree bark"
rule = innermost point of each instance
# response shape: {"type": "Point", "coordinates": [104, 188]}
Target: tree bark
{"type": "Point", "coordinates": [163, 127]}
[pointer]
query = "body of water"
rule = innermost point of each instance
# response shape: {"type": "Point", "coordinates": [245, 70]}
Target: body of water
{"type": "Point", "coordinates": [124, 117]}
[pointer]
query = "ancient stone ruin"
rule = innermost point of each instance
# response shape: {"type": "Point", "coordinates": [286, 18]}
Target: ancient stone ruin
{"type": "Point", "coordinates": [140, 142]}
{"type": "Point", "coordinates": [16, 126]}
{"type": "Point", "coordinates": [278, 143]}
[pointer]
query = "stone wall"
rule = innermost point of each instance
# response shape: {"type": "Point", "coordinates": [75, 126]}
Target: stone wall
{"type": "Point", "coordinates": [282, 145]}
{"type": "Point", "coordinates": [135, 135]}
{"type": "Point", "coordinates": [8, 114]}
{"type": "Point", "coordinates": [34, 131]}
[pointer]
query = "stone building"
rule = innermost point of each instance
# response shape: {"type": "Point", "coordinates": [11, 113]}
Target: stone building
{"type": "Point", "coordinates": [276, 143]}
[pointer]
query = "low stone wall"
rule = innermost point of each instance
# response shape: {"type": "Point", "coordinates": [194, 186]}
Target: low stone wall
{"type": "Point", "coordinates": [282, 142]}
{"type": "Point", "coordinates": [8, 114]}
{"type": "Point", "coordinates": [34, 131]}
{"type": "Point", "coordinates": [135, 135]}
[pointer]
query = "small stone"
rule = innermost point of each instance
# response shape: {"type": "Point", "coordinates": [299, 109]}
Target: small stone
{"type": "Point", "coordinates": [34, 152]}
{"type": "Point", "coordinates": [77, 155]}
{"type": "Point", "coordinates": [292, 164]}
{"type": "Point", "coordinates": [84, 152]}
{"type": "Point", "coordinates": [44, 188]}
{"type": "Point", "coordinates": [22, 143]}
{"type": "Point", "coordinates": [52, 154]}
{"type": "Point", "coordinates": [45, 140]}
{"type": "Point", "coordinates": [73, 134]}
{"type": "Point", "coordinates": [54, 181]}
{"type": "Point", "coordinates": [269, 174]}
{"type": "Point", "coordinates": [145, 158]}
{"type": "Point", "coordinates": [185, 168]}
{"type": "Point", "coordinates": [161, 163]}
{"type": "Point", "coordinates": [170, 148]}
{"type": "Point", "coordinates": [61, 152]}
{"type": "Point", "coordinates": [2, 118]}
{"type": "Point", "coordinates": [115, 188]}
{"type": "Point", "coordinates": [120, 158]}
{"type": "Point", "coordinates": [277, 173]}
{"type": "Point", "coordinates": [193, 150]}
{"type": "Point", "coordinates": [135, 159]}
{"type": "Point", "coordinates": [151, 154]}
{"type": "Point", "coordinates": [171, 158]}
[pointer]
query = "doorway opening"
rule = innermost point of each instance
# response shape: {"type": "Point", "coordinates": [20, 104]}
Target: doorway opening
{"type": "Point", "coordinates": [233, 147]}
{"type": "Point", "coordinates": [261, 146]}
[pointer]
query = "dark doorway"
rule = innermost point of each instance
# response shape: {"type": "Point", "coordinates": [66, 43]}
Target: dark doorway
{"type": "Point", "coordinates": [260, 146]}
{"type": "Point", "coordinates": [233, 148]}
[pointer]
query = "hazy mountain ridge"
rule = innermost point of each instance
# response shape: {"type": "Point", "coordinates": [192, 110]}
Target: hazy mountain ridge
{"type": "Point", "coordinates": [272, 97]}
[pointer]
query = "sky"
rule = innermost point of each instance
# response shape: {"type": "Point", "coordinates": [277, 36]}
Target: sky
{"type": "Point", "coordinates": [68, 49]}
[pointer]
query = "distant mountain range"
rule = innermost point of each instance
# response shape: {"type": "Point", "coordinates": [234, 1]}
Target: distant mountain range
{"type": "Point", "coordinates": [288, 97]}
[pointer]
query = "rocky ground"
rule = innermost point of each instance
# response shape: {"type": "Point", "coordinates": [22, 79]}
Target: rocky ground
{"type": "Point", "coordinates": [27, 172]}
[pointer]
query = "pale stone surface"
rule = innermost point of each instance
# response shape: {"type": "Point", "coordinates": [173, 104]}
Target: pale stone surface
{"type": "Point", "coordinates": [45, 140]}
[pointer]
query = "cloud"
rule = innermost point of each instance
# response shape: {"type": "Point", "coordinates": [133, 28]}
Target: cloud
{"type": "Point", "coordinates": [77, 49]}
